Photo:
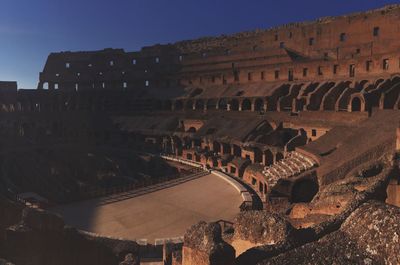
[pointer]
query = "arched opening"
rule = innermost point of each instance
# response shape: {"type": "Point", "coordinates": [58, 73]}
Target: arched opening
{"type": "Point", "coordinates": [196, 92]}
{"type": "Point", "coordinates": [189, 105]}
{"type": "Point", "coordinates": [187, 142]}
{"type": "Point", "coordinates": [216, 147]}
{"type": "Point", "coordinates": [234, 105]}
{"type": "Point", "coordinates": [269, 157]}
{"type": "Point", "coordinates": [304, 190]}
{"type": "Point", "coordinates": [259, 104]}
{"type": "Point", "coordinates": [191, 130]}
{"type": "Point", "coordinates": [178, 105]}
{"type": "Point", "coordinates": [237, 151]}
{"type": "Point", "coordinates": [45, 85]}
{"type": "Point", "coordinates": [356, 104]}
{"type": "Point", "coordinates": [278, 157]}
{"type": "Point", "coordinates": [246, 104]}
{"type": "Point", "coordinates": [176, 145]}
{"type": "Point", "coordinates": [211, 104]}
{"type": "Point", "coordinates": [225, 148]}
{"type": "Point", "coordinates": [199, 104]}
{"type": "Point", "coordinates": [222, 104]}
{"type": "Point", "coordinates": [258, 157]}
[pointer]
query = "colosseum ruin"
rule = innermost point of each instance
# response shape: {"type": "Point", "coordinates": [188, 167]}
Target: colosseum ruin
{"type": "Point", "coordinates": [276, 146]}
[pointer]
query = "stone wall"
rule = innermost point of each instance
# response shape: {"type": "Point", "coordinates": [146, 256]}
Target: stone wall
{"type": "Point", "coordinates": [303, 51]}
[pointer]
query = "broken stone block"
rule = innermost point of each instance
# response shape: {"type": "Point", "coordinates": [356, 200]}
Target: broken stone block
{"type": "Point", "coordinates": [203, 245]}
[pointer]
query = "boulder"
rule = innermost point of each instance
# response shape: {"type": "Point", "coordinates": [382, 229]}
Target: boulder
{"type": "Point", "coordinates": [203, 245]}
{"type": "Point", "coordinates": [257, 228]}
{"type": "Point", "coordinates": [375, 227]}
{"type": "Point", "coordinates": [370, 235]}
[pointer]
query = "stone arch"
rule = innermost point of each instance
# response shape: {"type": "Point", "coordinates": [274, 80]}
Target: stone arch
{"type": "Point", "coordinates": [258, 155]}
{"type": "Point", "coordinates": [176, 140]}
{"type": "Point", "coordinates": [222, 104]}
{"type": "Point", "coordinates": [189, 105]}
{"type": "Point", "coordinates": [246, 104]}
{"type": "Point", "coordinates": [167, 147]}
{"type": "Point", "coordinates": [357, 103]}
{"type": "Point", "coordinates": [191, 130]}
{"type": "Point", "coordinates": [258, 104]}
{"type": "Point", "coordinates": [187, 142]}
{"type": "Point", "coordinates": [396, 78]}
{"type": "Point", "coordinates": [177, 145]}
{"type": "Point", "coordinates": [234, 104]}
{"type": "Point", "coordinates": [278, 156]}
{"type": "Point", "coordinates": [199, 104]}
{"type": "Point", "coordinates": [236, 150]}
{"type": "Point", "coordinates": [212, 104]}
{"type": "Point", "coordinates": [225, 148]}
{"type": "Point", "coordinates": [268, 157]}
{"type": "Point", "coordinates": [217, 147]}
{"type": "Point", "coordinates": [304, 190]}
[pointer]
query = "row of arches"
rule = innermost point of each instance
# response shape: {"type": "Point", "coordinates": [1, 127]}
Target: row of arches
{"type": "Point", "coordinates": [40, 100]}
{"type": "Point", "coordinates": [357, 103]}
{"type": "Point", "coordinates": [175, 145]}
{"type": "Point", "coordinates": [233, 104]}
{"type": "Point", "coordinates": [325, 96]}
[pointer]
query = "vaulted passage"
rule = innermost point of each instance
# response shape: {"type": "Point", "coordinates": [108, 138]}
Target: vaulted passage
{"type": "Point", "coordinates": [269, 158]}
{"type": "Point", "coordinates": [258, 155]}
{"type": "Point", "coordinates": [258, 104]}
{"type": "Point", "coordinates": [246, 104]}
{"type": "Point", "coordinates": [234, 104]}
{"type": "Point", "coordinates": [189, 105]}
{"type": "Point", "coordinates": [356, 104]}
{"type": "Point", "coordinates": [199, 104]}
{"type": "Point", "coordinates": [304, 190]}
{"type": "Point", "coordinates": [222, 104]}
{"type": "Point", "coordinates": [278, 157]}
{"type": "Point", "coordinates": [237, 151]}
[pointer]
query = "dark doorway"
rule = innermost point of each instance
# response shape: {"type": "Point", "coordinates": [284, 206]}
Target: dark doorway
{"type": "Point", "coordinates": [356, 104]}
{"type": "Point", "coordinates": [304, 190]}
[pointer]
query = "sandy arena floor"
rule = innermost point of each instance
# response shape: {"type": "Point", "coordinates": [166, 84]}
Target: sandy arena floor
{"type": "Point", "coordinates": [162, 214]}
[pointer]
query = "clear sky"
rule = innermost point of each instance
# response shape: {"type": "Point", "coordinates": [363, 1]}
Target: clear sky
{"type": "Point", "coordinates": [31, 29]}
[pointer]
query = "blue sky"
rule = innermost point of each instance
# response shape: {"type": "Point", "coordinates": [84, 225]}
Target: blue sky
{"type": "Point", "coordinates": [31, 29]}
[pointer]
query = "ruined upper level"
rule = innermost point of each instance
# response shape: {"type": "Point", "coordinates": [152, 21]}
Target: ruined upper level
{"type": "Point", "coordinates": [351, 46]}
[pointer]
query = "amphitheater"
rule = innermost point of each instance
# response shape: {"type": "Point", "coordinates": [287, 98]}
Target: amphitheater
{"type": "Point", "coordinates": [276, 146]}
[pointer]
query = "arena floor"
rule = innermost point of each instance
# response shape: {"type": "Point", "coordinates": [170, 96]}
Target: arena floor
{"type": "Point", "coordinates": [162, 214]}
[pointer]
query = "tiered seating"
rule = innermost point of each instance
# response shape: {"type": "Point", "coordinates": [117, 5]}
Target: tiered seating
{"type": "Point", "coordinates": [293, 164]}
